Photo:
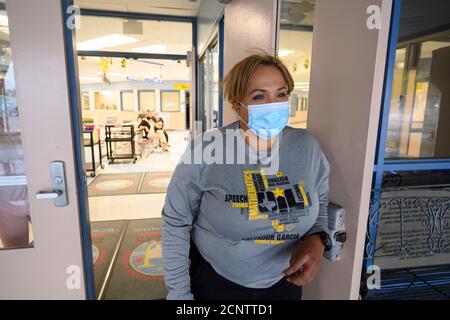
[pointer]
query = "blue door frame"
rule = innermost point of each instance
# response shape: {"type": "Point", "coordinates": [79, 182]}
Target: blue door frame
{"type": "Point", "coordinates": [75, 109]}
{"type": "Point", "coordinates": [75, 106]}
{"type": "Point", "coordinates": [381, 164]}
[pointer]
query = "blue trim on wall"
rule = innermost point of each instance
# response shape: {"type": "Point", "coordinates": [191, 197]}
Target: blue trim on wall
{"type": "Point", "coordinates": [135, 15]}
{"type": "Point", "coordinates": [387, 85]}
{"type": "Point", "coordinates": [221, 67]}
{"type": "Point", "coordinates": [75, 110]}
{"type": "Point", "coordinates": [416, 165]}
{"type": "Point", "coordinates": [385, 107]}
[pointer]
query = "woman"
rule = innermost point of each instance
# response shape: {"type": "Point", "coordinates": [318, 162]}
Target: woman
{"type": "Point", "coordinates": [160, 130]}
{"type": "Point", "coordinates": [150, 121]}
{"type": "Point", "coordinates": [256, 232]}
{"type": "Point", "coordinates": [146, 126]}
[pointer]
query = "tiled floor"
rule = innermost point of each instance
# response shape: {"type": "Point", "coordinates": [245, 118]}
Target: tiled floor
{"type": "Point", "coordinates": [140, 205]}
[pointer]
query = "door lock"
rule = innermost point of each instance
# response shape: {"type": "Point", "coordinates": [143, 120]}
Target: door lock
{"type": "Point", "coordinates": [59, 191]}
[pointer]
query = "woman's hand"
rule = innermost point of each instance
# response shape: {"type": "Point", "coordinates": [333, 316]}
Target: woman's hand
{"type": "Point", "coordinates": [305, 261]}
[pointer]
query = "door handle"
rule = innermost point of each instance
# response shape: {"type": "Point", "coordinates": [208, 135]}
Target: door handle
{"type": "Point", "coordinates": [58, 192]}
{"type": "Point", "coordinates": [44, 195]}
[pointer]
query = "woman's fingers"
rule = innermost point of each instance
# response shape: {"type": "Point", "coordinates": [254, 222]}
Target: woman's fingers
{"type": "Point", "coordinates": [296, 263]}
{"type": "Point", "coordinates": [303, 277]}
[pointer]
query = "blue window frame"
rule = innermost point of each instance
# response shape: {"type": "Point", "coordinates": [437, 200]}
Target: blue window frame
{"type": "Point", "coordinates": [383, 166]}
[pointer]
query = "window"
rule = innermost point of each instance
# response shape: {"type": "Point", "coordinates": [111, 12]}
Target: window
{"type": "Point", "coordinates": [295, 47]}
{"type": "Point", "coordinates": [146, 100]}
{"type": "Point", "coordinates": [105, 100]}
{"type": "Point", "coordinates": [15, 220]}
{"type": "Point", "coordinates": [127, 100]}
{"type": "Point", "coordinates": [170, 101]}
{"type": "Point", "coordinates": [420, 108]}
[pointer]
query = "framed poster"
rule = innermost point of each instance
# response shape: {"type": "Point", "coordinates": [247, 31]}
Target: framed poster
{"type": "Point", "coordinates": [127, 100]}
{"type": "Point", "coordinates": [85, 101]}
{"type": "Point", "coordinates": [170, 101]}
{"type": "Point", "coordinates": [146, 100]}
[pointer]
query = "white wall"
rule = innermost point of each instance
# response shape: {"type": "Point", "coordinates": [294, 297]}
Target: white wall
{"type": "Point", "coordinates": [175, 120]}
{"type": "Point", "coordinates": [208, 15]}
{"type": "Point", "coordinates": [249, 25]}
{"type": "Point", "coordinates": [347, 71]}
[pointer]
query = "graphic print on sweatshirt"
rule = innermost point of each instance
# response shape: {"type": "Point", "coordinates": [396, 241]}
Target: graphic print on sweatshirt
{"type": "Point", "coordinates": [273, 198]}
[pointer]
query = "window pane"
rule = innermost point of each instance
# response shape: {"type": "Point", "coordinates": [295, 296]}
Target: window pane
{"type": "Point", "coordinates": [295, 45]}
{"type": "Point", "coordinates": [131, 35]}
{"type": "Point", "coordinates": [15, 223]}
{"type": "Point", "coordinates": [127, 100]}
{"type": "Point", "coordinates": [420, 104]}
{"type": "Point", "coordinates": [170, 101]}
{"type": "Point", "coordinates": [105, 100]}
{"type": "Point", "coordinates": [147, 101]}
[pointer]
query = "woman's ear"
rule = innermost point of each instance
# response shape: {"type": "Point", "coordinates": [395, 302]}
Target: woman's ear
{"type": "Point", "coordinates": [236, 107]}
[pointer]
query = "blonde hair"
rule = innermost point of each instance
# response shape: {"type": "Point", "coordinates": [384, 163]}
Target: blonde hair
{"type": "Point", "coordinates": [236, 82]}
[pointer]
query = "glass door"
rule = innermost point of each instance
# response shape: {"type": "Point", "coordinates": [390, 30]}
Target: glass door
{"type": "Point", "coordinates": [40, 244]}
{"type": "Point", "coordinates": [209, 87]}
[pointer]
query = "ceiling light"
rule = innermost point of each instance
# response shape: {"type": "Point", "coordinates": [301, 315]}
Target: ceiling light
{"type": "Point", "coordinates": [154, 48]}
{"type": "Point", "coordinates": [284, 53]}
{"type": "Point", "coordinates": [111, 40]}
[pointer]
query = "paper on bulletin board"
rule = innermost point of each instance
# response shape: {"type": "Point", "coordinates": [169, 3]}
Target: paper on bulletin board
{"type": "Point", "coordinates": [181, 86]}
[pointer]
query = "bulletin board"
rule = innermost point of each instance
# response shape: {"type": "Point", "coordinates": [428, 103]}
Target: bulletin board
{"type": "Point", "coordinates": [147, 100]}
{"type": "Point", "coordinates": [170, 101]}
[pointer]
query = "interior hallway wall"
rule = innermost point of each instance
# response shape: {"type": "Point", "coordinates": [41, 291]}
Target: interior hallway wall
{"type": "Point", "coordinates": [347, 72]}
{"type": "Point", "coordinates": [249, 25]}
{"type": "Point", "coordinates": [208, 16]}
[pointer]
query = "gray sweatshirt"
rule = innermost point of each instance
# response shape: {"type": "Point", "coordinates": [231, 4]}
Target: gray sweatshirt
{"type": "Point", "coordinates": [245, 219]}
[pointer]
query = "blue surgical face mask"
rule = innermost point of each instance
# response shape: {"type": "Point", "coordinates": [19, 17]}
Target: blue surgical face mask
{"type": "Point", "coordinates": [269, 119]}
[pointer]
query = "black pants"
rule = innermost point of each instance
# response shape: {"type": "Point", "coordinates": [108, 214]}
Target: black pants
{"type": "Point", "coordinates": [207, 284]}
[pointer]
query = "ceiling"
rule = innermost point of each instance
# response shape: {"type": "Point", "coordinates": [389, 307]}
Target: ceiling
{"type": "Point", "coordinates": [90, 71]}
{"type": "Point", "coordinates": [175, 36]}
{"type": "Point", "coordinates": [186, 8]}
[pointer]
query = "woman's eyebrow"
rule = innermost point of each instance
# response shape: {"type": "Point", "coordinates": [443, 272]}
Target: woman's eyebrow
{"type": "Point", "coordinates": [263, 90]}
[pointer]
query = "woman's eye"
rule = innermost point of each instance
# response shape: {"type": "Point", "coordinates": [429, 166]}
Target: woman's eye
{"type": "Point", "coordinates": [282, 95]}
{"type": "Point", "coordinates": [258, 97]}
